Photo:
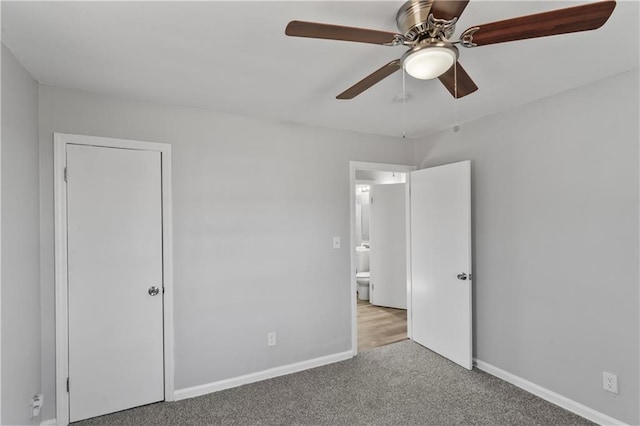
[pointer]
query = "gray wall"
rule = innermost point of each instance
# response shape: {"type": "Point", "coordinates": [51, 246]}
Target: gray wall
{"type": "Point", "coordinates": [256, 205]}
{"type": "Point", "coordinates": [20, 243]}
{"type": "Point", "coordinates": [556, 239]}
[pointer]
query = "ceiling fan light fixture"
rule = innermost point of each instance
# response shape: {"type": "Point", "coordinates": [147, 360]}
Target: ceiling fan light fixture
{"type": "Point", "coordinates": [427, 62]}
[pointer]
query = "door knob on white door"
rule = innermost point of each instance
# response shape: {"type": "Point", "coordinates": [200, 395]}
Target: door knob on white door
{"type": "Point", "coordinates": [462, 276]}
{"type": "Point", "coordinates": [153, 290]}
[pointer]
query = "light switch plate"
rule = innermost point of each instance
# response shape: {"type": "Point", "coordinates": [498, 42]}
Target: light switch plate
{"type": "Point", "coordinates": [336, 242]}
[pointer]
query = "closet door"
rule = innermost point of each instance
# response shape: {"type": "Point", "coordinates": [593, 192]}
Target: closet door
{"type": "Point", "coordinates": [114, 219]}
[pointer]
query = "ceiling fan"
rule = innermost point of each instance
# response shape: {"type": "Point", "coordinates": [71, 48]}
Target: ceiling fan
{"type": "Point", "coordinates": [426, 27]}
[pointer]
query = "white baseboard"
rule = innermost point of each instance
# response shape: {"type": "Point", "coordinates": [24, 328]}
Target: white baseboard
{"type": "Point", "coordinates": [49, 422]}
{"type": "Point", "coordinates": [260, 375]}
{"type": "Point", "coordinates": [552, 397]}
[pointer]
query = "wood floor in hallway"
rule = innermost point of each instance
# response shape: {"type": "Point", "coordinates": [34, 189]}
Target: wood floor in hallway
{"type": "Point", "coordinates": [379, 326]}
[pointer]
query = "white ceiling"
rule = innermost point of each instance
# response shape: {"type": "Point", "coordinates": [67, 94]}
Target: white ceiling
{"type": "Point", "coordinates": [233, 56]}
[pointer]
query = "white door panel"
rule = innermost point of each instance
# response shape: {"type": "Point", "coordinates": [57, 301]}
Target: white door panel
{"type": "Point", "coordinates": [388, 260]}
{"type": "Point", "coordinates": [114, 207]}
{"type": "Point", "coordinates": [440, 250]}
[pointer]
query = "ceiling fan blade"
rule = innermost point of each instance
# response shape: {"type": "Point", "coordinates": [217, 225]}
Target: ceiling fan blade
{"type": "Point", "coordinates": [562, 21]}
{"type": "Point", "coordinates": [373, 78]}
{"type": "Point", "coordinates": [465, 84]}
{"type": "Point", "coordinates": [448, 9]}
{"type": "Point", "coordinates": [337, 32]}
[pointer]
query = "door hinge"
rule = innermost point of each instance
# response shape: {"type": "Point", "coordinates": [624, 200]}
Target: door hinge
{"type": "Point", "coordinates": [66, 175]}
{"type": "Point", "coordinates": [67, 385]}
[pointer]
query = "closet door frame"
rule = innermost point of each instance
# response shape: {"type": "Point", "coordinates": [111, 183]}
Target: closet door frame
{"type": "Point", "coordinates": [61, 140]}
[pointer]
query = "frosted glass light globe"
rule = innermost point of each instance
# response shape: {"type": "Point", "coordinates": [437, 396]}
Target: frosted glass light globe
{"type": "Point", "coordinates": [428, 63]}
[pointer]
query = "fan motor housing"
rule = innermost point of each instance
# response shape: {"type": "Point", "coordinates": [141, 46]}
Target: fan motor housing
{"type": "Point", "coordinates": [412, 18]}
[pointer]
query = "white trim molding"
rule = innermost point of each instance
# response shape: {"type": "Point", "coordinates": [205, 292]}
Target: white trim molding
{"type": "Point", "coordinates": [61, 141]}
{"type": "Point", "coordinates": [271, 373]}
{"type": "Point", "coordinates": [550, 396]}
{"type": "Point", "coordinates": [49, 422]}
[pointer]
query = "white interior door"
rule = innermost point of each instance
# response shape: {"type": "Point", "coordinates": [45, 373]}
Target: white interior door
{"type": "Point", "coordinates": [440, 251]}
{"type": "Point", "coordinates": [387, 257]}
{"type": "Point", "coordinates": [114, 218]}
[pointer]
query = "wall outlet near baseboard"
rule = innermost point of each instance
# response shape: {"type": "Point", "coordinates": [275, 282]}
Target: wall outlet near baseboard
{"type": "Point", "coordinates": [35, 405]}
{"type": "Point", "coordinates": [610, 382]}
{"type": "Point", "coordinates": [271, 338]}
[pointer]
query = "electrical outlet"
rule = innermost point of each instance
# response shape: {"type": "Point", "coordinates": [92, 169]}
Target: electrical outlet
{"type": "Point", "coordinates": [336, 242]}
{"type": "Point", "coordinates": [36, 405]}
{"type": "Point", "coordinates": [610, 382]}
{"type": "Point", "coordinates": [271, 338]}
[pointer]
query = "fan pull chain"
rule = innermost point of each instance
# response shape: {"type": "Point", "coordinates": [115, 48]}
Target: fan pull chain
{"type": "Point", "coordinates": [456, 126]}
{"type": "Point", "coordinates": [404, 105]}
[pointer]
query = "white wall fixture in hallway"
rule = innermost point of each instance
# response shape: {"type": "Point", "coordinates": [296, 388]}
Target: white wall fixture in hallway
{"type": "Point", "coordinates": [113, 202]}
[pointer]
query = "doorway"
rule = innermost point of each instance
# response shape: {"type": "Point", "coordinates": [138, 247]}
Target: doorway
{"type": "Point", "coordinates": [438, 265]}
{"type": "Point", "coordinates": [379, 245]}
{"type": "Point", "coordinates": [114, 346]}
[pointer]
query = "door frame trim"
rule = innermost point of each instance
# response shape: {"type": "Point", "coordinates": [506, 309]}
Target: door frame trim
{"type": "Point", "coordinates": [61, 140]}
{"type": "Point", "coordinates": [381, 167]}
